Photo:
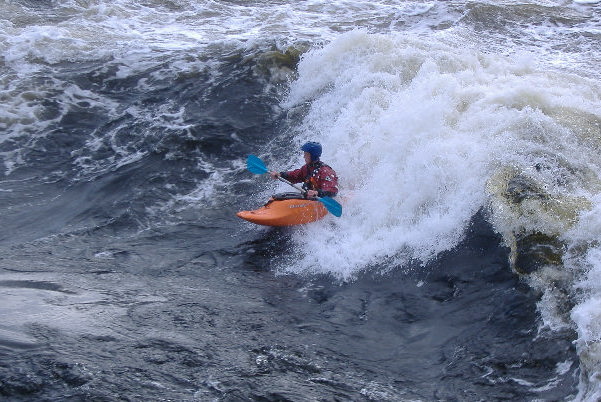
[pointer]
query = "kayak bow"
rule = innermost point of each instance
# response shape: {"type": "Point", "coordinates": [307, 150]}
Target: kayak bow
{"type": "Point", "coordinates": [287, 209]}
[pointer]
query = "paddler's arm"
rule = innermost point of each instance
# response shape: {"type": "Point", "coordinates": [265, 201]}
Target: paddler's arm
{"type": "Point", "coordinates": [325, 193]}
{"type": "Point", "coordinates": [293, 176]}
{"type": "Point", "coordinates": [320, 193]}
{"type": "Point", "coordinates": [284, 175]}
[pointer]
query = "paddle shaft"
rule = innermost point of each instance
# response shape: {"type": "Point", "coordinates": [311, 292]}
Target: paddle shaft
{"type": "Point", "coordinates": [292, 184]}
{"type": "Point", "coordinates": [332, 206]}
{"type": "Point", "coordinates": [257, 166]}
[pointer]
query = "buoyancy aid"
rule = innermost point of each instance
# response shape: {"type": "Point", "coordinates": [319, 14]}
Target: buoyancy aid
{"type": "Point", "coordinates": [315, 176]}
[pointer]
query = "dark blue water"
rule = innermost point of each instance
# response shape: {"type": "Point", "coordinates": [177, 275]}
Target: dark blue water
{"type": "Point", "coordinates": [220, 325]}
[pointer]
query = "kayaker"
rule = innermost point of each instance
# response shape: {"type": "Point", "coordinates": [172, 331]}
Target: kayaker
{"type": "Point", "coordinates": [319, 179]}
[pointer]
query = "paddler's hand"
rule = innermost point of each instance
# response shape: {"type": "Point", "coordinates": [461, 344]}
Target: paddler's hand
{"type": "Point", "coordinates": [274, 175]}
{"type": "Point", "coordinates": [311, 194]}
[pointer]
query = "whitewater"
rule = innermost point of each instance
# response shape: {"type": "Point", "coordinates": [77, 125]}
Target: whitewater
{"type": "Point", "coordinates": [466, 264]}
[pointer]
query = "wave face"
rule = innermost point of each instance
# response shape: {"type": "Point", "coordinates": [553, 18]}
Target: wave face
{"type": "Point", "coordinates": [427, 134]}
{"type": "Point", "coordinates": [467, 139]}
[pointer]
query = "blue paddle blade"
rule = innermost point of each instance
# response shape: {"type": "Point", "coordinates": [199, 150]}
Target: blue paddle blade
{"type": "Point", "coordinates": [255, 165]}
{"type": "Point", "coordinates": [332, 206]}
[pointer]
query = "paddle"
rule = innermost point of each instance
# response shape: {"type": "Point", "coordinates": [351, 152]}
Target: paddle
{"type": "Point", "coordinates": [255, 165]}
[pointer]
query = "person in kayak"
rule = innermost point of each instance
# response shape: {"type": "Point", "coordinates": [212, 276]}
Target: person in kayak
{"type": "Point", "coordinates": [319, 179]}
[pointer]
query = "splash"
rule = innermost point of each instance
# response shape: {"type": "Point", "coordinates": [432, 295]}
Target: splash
{"type": "Point", "coordinates": [418, 132]}
{"type": "Point", "coordinates": [425, 134]}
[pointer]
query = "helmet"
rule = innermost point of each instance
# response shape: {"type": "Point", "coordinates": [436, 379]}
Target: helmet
{"type": "Point", "coordinates": [313, 148]}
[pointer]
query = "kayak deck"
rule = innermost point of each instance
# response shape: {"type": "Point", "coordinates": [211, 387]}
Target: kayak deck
{"type": "Point", "coordinates": [282, 210]}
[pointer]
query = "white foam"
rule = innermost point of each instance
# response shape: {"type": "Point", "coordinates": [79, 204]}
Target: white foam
{"type": "Point", "coordinates": [423, 135]}
{"type": "Point", "coordinates": [415, 131]}
{"type": "Point", "coordinates": [584, 260]}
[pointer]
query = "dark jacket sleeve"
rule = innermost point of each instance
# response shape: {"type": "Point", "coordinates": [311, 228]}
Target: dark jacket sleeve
{"type": "Point", "coordinates": [295, 176]}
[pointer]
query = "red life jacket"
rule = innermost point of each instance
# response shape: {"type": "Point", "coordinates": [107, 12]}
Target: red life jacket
{"type": "Point", "coordinates": [315, 176]}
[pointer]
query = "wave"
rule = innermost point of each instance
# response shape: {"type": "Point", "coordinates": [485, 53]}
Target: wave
{"type": "Point", "coordinates": [425, 134]}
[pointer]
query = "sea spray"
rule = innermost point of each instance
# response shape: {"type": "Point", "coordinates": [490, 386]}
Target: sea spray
{"type": "Point", "coordinates": [425, 134]}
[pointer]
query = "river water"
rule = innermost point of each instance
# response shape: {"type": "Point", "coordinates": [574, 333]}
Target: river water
{"type": "Point", "coordinates": [466, 264]}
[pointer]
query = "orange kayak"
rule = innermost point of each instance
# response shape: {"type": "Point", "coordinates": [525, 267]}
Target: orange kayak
{"type": "Point", "coordinates": [286, 209]}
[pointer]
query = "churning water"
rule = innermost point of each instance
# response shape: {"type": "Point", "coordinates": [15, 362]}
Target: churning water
{"type": "Point", "coordinates": [466, 265]}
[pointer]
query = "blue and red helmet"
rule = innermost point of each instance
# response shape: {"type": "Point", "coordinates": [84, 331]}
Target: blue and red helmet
{"type": "Point", "coordinates": [313, 148]}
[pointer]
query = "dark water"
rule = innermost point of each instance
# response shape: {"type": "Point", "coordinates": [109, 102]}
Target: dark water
{"type": "Point", "coordinates": [125, 274]}
{"type": "Point", "coordinates": [220, 325]}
